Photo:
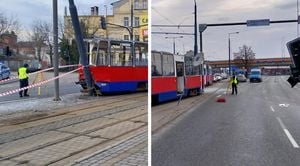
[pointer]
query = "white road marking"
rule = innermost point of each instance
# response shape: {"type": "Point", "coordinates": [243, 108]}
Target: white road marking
{"type": "Point", "coordinates": [288, 134]}
{"type": "Point", "coordinates": [219, 96]}
{"type": "Point", "coordinates": [272, 109]}
{"type": "Point", "coordinates": [284, 105]}
{"type": "Point", "coordinates": [292, 140]}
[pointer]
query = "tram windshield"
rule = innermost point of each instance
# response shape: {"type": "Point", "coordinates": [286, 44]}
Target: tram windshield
{"type": "Point", "coordinates": [99, 54]}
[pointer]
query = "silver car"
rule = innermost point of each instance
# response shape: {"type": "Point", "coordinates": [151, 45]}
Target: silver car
{"type": "Point", "coordinates": [241, 78]}
{"type": "Point", "coordinates": [4, 71]}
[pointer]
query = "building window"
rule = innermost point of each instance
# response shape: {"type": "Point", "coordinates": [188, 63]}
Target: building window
{"type": "Point", "coordinates": [126, 21]}
{"type": "Point", "coordinates": [136, 21]}
{"type": "Point", "coordinates": [145, 4]}
{"type": "Point", "coordinates": [126, 37]}
{"type": "Point", "coordinates": [136, 37]}
{"type": "Point", "coordinates": [136, 4]}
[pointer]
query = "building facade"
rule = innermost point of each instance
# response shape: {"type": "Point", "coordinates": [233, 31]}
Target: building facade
{"type": "Point", "coordinates": [121, 18]}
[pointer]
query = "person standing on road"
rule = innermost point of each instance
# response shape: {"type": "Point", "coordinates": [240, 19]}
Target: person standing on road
{"type": "Point", "coordinates": [234, 82]}
{"type": "Point", "coordinates": [23, 77]}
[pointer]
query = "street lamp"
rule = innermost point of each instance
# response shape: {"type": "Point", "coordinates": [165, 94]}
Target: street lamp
{"type": "Point", "coordinates": [177, 37]}
{"type": "Point", "coordinates": [229, 65]}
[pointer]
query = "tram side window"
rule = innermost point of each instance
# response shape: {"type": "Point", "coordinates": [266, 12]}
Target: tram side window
{"type": "Point", "coordinates": [141, 55]}
{"type": "Point", "coordinates": [156, 68]}
{"type": "Point", "coordinates": [188, 66]}
{"type": "Point", "coordinates": [120, 55]}
{"type": "Point", "coordinates": [168, 65]}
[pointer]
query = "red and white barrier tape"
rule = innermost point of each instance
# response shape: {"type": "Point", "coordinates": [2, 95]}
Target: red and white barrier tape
{"type": "Point", "coordinates": [16, 77]}
{"type": "Point", "coordinates": [36, 84]}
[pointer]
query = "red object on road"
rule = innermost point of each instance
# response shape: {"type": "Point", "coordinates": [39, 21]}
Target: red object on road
{"type": "Point", "coordinates": [221, 100]}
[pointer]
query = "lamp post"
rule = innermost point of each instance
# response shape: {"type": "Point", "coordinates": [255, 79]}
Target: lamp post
{"type": "Point", "coordinates": [177, 37]}
{"type": "Point", "coordinates": [229, 65]}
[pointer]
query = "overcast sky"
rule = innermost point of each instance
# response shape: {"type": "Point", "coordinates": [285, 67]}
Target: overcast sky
{"type": "Point", "coordinates": [29, 10]}
{"type": "Point", "coordinates": [266, 41]}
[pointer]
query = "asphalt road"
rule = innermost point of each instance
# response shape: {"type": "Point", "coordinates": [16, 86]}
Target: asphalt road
{"type": "Point", "coordinates": [258, 127]}
{"type": "Point", "coordinates": [66, 86]}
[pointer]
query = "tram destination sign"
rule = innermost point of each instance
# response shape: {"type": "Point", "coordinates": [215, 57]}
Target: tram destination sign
{"type": "Point", "coordinates": [261, 22]}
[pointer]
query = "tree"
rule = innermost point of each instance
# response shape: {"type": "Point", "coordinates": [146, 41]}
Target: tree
{"type": "Point", "coordinates": [245, 57]}
{"type": "Point", "coordinates": [40, 35]}
{"type": "Point", "coordinates": [9, 23]}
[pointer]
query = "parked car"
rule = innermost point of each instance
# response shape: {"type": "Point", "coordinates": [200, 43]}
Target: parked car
{"type": "Point", "coordinates": [4, 71]}
{"type": "Point", "coordinates": [217, 77]}
{"type": "Point", "coordinates": [241, 78]}
{"type": "Point", "coordinates": [224, 75]}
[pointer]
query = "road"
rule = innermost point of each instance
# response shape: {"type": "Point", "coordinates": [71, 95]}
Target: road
{"type": "Point", "coordinates": [67, 86]}
{"type": "Point", "coordinates": [259, 126]}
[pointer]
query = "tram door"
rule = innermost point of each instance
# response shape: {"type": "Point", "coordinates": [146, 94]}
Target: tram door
{"type": "Point", "coordinates": [180, 76]}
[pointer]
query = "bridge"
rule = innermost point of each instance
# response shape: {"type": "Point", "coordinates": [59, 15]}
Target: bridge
{"type": "Point", "coordinates": [263, 62]}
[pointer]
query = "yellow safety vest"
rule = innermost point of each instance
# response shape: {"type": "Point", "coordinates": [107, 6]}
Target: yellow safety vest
{"type": "Point", "coordinates": [23, 73]}
{"type": "Point", "coordinates": [233, 80]}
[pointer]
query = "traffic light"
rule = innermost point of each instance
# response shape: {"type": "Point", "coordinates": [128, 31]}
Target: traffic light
{"type": "Point", "coordinates": [102, 22]}
{"type": "Point", "coordinates": [294, 50]}
{"type": "Point", "coordinates": [7, 51]}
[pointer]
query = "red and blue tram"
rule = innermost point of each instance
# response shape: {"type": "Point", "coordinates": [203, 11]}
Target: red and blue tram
{"type": "Point", "coordinates": [117, 66]}
{"type": "Point", "coordinates": [173, 76]}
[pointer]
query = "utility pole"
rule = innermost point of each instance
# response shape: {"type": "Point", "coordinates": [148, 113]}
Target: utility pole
{"type": "Point", "coordinates": [229, 63]}
{"type": "Point", "coordinates": [174, 45]}
{"type": "Point", "coordinates": [55, 43]}
{"type": "Point", "coordinates": [195, 31]}
{"type": "Point", "coordinates": [131, 20]}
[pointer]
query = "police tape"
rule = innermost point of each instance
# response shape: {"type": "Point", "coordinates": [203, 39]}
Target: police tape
{"type": "Point", "coordinates": [16, 77]}
{"type": "Point", "coordinates": [37, 84]}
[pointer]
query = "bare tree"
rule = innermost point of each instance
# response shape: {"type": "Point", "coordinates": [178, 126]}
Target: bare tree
{"type": "Point", "coordinates": [9, 24]}
{"type": "Point", "coordinates": [245, 57]}
{"type": "Point", "coordinates": [40, 36]}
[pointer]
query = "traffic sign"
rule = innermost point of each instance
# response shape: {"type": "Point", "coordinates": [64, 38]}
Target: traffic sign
{"type": "Point", "coordinates": [261, 22]}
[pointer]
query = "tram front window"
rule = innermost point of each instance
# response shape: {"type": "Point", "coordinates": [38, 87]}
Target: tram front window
{"type": "Point", "coordinates": [100, 54]}
{"type": "Point", "coordinates": [120, 54]}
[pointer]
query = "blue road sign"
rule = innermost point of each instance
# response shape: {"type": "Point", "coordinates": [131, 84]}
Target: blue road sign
{"type": "Point", "coordinates": [261, 22]}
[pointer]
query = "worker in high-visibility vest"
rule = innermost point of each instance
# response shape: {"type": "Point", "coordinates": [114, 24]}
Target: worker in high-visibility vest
{"type": "Point", "coordinates": [234, 82]}
{"type": "Point", "coordinates": [23, 77]}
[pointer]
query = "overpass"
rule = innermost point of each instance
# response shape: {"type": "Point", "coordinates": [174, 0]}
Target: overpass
{"type": "Point", "coordinates": [263, 62]}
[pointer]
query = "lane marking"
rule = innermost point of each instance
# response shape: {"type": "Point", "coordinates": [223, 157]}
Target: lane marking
{"type": "Point", "coordinates": [292, 140]}
{"type": "Point", "coordinates": [272, 109]}
{"type": "Point", "coordinates": [287, 133]}
{"type": "Point", "coordinates": [219, 96]}
{"type": "Point", "coordinates": [284, 105]}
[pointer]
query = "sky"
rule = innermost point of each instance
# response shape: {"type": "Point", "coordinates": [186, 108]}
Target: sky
{"type": "Point", "coordinates": [27, 11]}
{"type": "Point", "coordinates": [266, 41]}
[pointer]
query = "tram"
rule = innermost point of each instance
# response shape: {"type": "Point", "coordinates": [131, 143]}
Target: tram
{"type": "Point", "coordinates": [173, 76]}
{"type": "Point", "coordinates": [117, 66]}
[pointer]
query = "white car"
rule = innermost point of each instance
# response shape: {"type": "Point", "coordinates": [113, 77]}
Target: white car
{"type": "Point", "coordinates": [4, 71]}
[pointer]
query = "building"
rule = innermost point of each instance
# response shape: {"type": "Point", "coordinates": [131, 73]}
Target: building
{"type": "Point", "coordinates": [120, 19]}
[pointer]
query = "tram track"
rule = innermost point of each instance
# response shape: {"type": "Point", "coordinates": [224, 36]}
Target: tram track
{"type": "Point", "coordinates": [72, 120]}
{"type": "Point", "coordinates": [135, 104]}
{"type": "Point", "coordinates": [72, 109]}
{"type": "Point", "coordinates": [77, 135]}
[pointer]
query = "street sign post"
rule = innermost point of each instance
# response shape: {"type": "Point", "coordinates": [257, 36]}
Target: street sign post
{"type": "Point", "coordinates": [260, 22]}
